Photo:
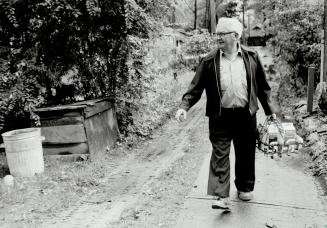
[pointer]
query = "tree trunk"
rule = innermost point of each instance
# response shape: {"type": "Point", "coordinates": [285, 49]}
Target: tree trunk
{"type": "Point", "coordinates": [195, 12]}
{"type": "Point", "coordinates": [206, 23]}
{"type": "Point", "coordinates": [325, 43]}
{"type": "Point", "coordinates": [212, 16]}
{"type": "Point", "coordinates": [322, 102]}
{"type": "Point", "coordinates": [173, 18]}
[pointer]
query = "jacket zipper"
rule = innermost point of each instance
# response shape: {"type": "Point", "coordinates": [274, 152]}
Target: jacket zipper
{"type": "Point", "coordinates": [250, 84]}
{"type": "Point", "coordinates": [214, 62]}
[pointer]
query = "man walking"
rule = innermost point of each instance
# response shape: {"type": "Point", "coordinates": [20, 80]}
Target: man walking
{"type": "Point", "coordinates": [234, 79]}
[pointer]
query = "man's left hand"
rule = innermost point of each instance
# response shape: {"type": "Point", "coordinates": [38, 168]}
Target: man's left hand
{"type": "Point", "coordinates": [272, 116]}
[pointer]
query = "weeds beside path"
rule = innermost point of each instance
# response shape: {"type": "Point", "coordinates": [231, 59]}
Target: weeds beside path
{"type": "Point", "coordinates": [127, 185]}
{"type": "Point", "coordinates": [147, 189]}
{"type": "Point", "coordinates": [140, 186]}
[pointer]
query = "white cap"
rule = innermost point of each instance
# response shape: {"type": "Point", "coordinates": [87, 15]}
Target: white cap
{"type": "Point", "coordinates": [226, 24]}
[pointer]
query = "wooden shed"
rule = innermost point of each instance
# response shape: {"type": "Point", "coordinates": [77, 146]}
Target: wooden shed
{"type": "Point", "coordinates": [87, 127]}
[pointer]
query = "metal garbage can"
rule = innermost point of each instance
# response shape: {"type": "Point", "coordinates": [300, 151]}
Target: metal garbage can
{"type": "Point", "coordinates": [24, 151]}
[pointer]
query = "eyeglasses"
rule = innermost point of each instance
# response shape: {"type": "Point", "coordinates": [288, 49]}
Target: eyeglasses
{"type": "Point", "coordinates": [223, 34]}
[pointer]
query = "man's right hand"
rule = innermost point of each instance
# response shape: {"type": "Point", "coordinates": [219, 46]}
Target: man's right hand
{"type": "Point", "coordinates": [180, 113]}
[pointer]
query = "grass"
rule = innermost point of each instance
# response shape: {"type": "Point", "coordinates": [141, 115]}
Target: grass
{"type": "Point", "coordinates": [61, 186]}
{"type": "Point", "coordinates": [64, 185]}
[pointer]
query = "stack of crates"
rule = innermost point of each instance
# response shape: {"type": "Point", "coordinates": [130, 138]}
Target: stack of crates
{"type": "Point", "coordinates": [273, 132]}
{"type": "Point", "coordinates": [288, 128]}
{"type": "Point", "coordinates": [289, 131]}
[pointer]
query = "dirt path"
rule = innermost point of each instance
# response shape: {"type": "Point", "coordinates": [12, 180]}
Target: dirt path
{"type": "Point", "coordinates": [285, 195]}
{"type": "Point", "coordinates": [148, 188]}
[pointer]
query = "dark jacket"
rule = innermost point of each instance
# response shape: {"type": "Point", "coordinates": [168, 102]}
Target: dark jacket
{"type": "Point", "coordinates": [208, 77]}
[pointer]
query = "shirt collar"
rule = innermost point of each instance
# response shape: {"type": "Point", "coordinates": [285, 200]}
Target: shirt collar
{"type": "Point", "coordinates": [239, 50]}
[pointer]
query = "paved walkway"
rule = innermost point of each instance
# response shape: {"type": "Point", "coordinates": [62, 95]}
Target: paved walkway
{"type": "Point", "coordinates": [284, 197]}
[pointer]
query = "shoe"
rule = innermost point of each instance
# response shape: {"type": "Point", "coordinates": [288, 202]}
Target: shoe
{"type": "Point", "coordinates": [245, 196]}
{"type": "Point", "coordinates": [221, 203]}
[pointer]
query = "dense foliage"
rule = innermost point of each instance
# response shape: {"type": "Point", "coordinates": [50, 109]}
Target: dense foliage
{"type": "Point", "coordinates": [295, 27]}
{"type": "Point", "coordinates": [52, 52]}
{"type": "Point", "coordinates": [201, 42]}
{"type": "Point", "coordinates": [229, 9]}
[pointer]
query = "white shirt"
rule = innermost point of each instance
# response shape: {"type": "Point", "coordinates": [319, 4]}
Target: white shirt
{"type": "Point", "coordinates": [233, 80]}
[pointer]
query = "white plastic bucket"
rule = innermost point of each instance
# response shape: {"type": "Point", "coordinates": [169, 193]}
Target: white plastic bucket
{"type": "Point", "coordinates": [24, 151]}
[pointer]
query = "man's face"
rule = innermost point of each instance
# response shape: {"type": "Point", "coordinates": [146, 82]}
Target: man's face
{"type": "Point", "coordinates": [226, 41]}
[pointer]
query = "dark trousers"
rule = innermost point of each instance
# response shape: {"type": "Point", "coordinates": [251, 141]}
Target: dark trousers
{"type": "Point", "coordinates": [237, 125]}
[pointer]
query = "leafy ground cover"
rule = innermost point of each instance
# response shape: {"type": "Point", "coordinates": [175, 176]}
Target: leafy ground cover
{"type": "Point", "coordinates": [65, 184]}
{"type": "Point", "coordinates": [312, 127]}
{"type": "Point", "coordinates": [138, 176]}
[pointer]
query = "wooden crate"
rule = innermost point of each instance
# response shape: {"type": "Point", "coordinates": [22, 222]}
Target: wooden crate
{"type": "Point", "coordinates": [88, 127]}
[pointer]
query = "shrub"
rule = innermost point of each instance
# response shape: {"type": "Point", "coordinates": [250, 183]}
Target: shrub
{"type": "Point", "coordinates": [295, 30]}
{"type": "Point", "coordinates": [97, 44]}
{"type": "Point", "coordinates": [200, 42]}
